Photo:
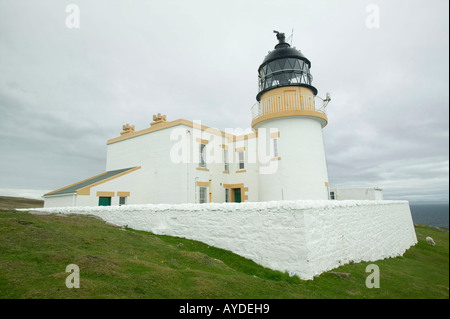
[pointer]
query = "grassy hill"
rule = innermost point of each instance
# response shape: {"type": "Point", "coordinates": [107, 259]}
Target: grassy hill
{"type": "Point", "coordinates": [123, 263]}
{"type": "Point", "coordinates": [7, 202]}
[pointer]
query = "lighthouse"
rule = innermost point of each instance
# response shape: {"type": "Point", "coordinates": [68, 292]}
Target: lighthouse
{"type": "Point", "coordinates": [286, 104]}
{"type": "Point", "coordinates": [283, 159]}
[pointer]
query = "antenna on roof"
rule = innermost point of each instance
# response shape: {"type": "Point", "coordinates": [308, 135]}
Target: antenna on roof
{"type": "Point", "coordinates": [291, 36]}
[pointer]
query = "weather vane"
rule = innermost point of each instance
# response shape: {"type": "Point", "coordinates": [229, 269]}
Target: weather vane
{"type": "Point", "coordinates": [280, 36]}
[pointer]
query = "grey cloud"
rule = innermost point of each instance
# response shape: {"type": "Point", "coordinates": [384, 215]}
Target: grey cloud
{"type": "Point", "coordinates": [64, 92]}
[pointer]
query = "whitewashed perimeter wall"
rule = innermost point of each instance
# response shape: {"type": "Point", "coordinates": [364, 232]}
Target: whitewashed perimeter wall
{"type": "Point", "coordinates": [306, 237]}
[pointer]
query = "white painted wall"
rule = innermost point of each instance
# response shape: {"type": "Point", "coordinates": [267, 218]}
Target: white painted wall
{"type": "Point", "coordinates": [302, 170]}
{"type": "Point", "coordinates": [251, 167]}
{"type": "Point", "coordinates": [300, 174]}
{"type": "Point", "coordinates": [357, 193]}
{"type": "Point", "coordinates": [307, 237]}
{"type": "Point", "coordinates": [60, 200]}
{"type": "Point", "coordinates": [161, 180]}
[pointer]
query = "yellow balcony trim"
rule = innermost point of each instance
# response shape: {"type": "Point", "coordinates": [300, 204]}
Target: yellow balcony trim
{"type": "Point", "coordinates": [317, 114]}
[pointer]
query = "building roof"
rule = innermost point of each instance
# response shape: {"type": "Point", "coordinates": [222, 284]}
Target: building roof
{"type": "Point", "coordinates": [169, 124]}
{"type": "Point", "coordinates": [91, 181]}
{"type": "Point", "coordinates": [283, 53]}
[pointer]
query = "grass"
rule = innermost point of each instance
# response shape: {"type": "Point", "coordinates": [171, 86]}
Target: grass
{"type": "Point", "coordinates": [7, 202]}
{"type": "Point", "coordinates": [123, 263]}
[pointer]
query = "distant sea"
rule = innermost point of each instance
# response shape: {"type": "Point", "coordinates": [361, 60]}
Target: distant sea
{"type": "Point", "coordinates": [430, 214]}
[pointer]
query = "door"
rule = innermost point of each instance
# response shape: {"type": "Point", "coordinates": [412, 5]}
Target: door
{"type": "Point", "coordinates": [104, 201]}
{"type": "Point", "coordinates": [237, 195]}
{"type": "Point", "coordinates": [203, 191]}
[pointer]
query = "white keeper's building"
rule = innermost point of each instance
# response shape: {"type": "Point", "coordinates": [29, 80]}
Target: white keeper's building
{"type": "Point", "coordinates": [181, 161]}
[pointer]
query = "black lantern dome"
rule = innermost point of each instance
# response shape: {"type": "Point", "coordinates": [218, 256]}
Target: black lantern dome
{"type": "Point", "coordinates": [284, 66]}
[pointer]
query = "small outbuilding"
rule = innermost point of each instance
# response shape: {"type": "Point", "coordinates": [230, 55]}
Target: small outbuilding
{"type": "Point", "coordinates": [374, 193]}
{"type": "Point", "coordinates": [102, 190]}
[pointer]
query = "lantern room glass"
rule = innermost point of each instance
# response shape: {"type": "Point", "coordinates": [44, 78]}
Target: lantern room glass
{"type": "Point", "coordinates": [283, 72]}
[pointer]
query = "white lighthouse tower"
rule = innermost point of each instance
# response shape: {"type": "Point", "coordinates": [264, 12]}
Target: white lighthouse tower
{"type": "Point", "coordinates": [286, 103]}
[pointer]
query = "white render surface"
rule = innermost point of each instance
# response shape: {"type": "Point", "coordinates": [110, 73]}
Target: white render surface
{"type": "Point", "coordinates": [357, 193]}
{"type": "Point", "coordinates": [60, 200]}
{"type": "Point", "coordinates": [302, 170]}
{"type": "Point", "coordinates": [169, 165]}
{"type": "Point", "coordinates": [306, 237]}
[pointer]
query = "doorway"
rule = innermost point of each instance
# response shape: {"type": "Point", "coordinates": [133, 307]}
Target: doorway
{"type": "Point", "coordinates": [104, 201]}
{"type": "Point", "coordinates": [237, 195]}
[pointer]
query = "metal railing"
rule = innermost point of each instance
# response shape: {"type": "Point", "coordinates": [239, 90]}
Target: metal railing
{"type": "Point", "coordinates": [285, 102]}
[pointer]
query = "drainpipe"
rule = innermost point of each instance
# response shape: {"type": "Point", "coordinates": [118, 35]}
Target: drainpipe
{"type": "Point", "coordinates": [195, 187]}
{"type": "Point", "coordinates": [188, 132]}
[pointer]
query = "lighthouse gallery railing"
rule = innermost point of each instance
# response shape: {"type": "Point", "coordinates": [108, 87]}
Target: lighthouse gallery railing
{"type": "Point", "coordinates": [285, 102]}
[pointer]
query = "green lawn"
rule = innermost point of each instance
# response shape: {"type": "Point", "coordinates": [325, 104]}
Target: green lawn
{"type": "Point", "coordinates": [118, 263]}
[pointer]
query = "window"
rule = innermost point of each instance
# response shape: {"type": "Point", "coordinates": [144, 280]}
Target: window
{"type": "Point", "coordinates": [122, 200]}
{"type": "Point", "coordinates": [284, 72]}
{"type": "Point", "coordinates": [203, 195]}
{"type": "Point", "coordinates": [225, 160]}
{"type": "Point", "coordinates": [331, 195]}
{"type": "Point", "coordinates": [227, 195]}
{"type": "Point", "coordinates": [275, 147]}
{"type": "Point", "coordinates": [241, 160]}
{"type": "Point", "coordinates": [104, 201]}
{"type": "Point", "coordinates": [202, 155]}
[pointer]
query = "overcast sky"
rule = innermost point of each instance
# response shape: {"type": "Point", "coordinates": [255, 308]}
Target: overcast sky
{"type": "Point", "coordinates": [64, 92]}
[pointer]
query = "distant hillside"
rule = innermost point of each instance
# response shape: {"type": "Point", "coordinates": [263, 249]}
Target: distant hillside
{"type": "Point", "coordinates": [19, 202]}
